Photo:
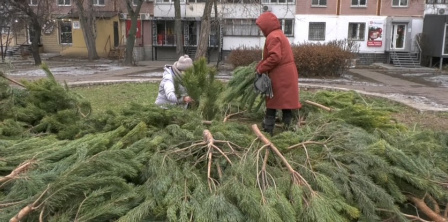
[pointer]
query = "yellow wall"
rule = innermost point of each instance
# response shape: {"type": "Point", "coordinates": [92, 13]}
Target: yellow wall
{"type": "Point", "coordinates": [50, 42]}
{"type": "Point", "coordinates": [8, 40]}
{"type": "Point", "coordinates": [105, 34]}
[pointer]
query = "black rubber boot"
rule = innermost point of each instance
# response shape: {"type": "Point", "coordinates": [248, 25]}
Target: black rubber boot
{"type": "Point", "coordinates": [286, 119]}
{"type": "Point", "coordinates": [269, 124]}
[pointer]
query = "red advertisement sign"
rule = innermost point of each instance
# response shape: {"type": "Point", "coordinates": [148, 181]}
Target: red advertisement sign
{"type": "Point", "coordinates": [375, 35]}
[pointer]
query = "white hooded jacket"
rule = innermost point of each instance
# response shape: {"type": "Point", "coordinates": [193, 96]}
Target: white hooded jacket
{"type": "Point", "coordinates": [167, 94]}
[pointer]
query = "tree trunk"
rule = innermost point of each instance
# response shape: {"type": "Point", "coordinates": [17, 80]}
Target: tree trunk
{"type": "Point", "coordinates": [35, 43]}
{"type": "Point", "coordinates": [178, 29]}
{"type": "Point", "coordinates": [218, 33]}
{"type": "Point", "coordinates": [130, 40]}
{"type": "Point", "coordinates": [205, 31]}
{"type": "Point", "coordinates": [87, 20]}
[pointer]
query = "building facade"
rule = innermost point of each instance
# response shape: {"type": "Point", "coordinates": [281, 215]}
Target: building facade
{"type": "Point", "coordinates": [63, 32]}
{"type": "Point", "coordinates": [435, 33]}
{"type": "Point", "coordinates": [379, 27]}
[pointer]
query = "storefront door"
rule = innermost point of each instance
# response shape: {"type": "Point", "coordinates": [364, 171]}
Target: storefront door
{"type": "Point", "coordinates": [398, 36]}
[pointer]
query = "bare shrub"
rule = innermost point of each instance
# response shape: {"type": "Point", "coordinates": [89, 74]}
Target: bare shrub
{"type": "Point", "coordinates": [312, 59]}
{"type": "Point", "coordinates": [324, 59]}
{"type": "Point", "coordinates": [243, 56]}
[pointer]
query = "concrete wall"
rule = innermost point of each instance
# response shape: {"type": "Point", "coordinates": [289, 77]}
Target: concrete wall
{"type": "Point", "coordinates": [225, 10]}
{"type": "Point", "coordinates": [336, 29]}
{"type": "Point", "coordinates": [304, 7]}
{"type": "Point", "coordinates": [370, 58]}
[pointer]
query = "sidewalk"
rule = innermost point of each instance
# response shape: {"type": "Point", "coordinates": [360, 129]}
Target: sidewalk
{"type": "Point", "coordinates": [382, 81]}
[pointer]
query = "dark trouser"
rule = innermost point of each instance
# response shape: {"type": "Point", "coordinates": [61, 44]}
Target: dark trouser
{"type": "Point", "coordinates": [269, 120]}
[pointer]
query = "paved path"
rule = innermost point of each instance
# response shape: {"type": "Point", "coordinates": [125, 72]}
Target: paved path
{"type": "Point", "coordinates": [422, 97]}
{"type": "Point", "coordinates": [377, 82]}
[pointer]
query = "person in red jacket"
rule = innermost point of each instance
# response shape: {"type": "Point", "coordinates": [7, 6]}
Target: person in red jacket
{"type": "Point", "coordinates": [278, 63]}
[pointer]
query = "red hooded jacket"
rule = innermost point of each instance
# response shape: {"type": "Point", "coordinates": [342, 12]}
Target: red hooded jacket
{"type": "Point", "coordinates": [278, 63]}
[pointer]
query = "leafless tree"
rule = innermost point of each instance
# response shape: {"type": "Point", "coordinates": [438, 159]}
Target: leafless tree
{"type": "Point", "coordinates": [5, 28]}
{"type": "Point", "coordinates": [205, 30]}
{"type": "Point", "coordinates": [178, 29]}
{"type": "Point", "coordinates": [133, 12]}
{"type": "Point", "coordinates": [87, 19]}
{"type": "Point", "coordinates": [34, 17]}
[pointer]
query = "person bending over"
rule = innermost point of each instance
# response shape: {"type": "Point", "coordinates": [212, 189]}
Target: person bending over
{"type": "Point", "coordinates": [171, 90]}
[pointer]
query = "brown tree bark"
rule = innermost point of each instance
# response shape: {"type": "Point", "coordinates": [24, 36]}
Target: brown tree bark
{"type": "Point", "coordinates": [178, 29]}
{"type": "Point", "coordinates": [421, 205]}
{"type": "Point", "coordinates": [205, 31]}
{"type": "Point", "coordinates": [35, 43]}
{"type": "Point", "coordinates": [130, 40]}
{"type": "Point", "coordinates": [34, 17]}
{"type": "Point", "coordinates": [87, 19]}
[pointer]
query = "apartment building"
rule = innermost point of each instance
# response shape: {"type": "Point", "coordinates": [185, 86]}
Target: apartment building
{"type": "Point", "coordinates": [435, 33]}
{"type": "Point", "coordinates": [63, 32]}
{"type": "Point", "coordinates": [233, 25]}
{"type": "Point", "coordinates": [380, 27]}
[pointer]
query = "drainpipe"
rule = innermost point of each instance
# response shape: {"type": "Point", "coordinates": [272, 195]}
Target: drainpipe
{"type": "Point", "coordinates": [338, 7]}
{"type": "Point", "coordinates": [378, 8]}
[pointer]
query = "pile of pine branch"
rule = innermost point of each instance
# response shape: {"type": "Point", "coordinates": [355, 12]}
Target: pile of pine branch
{"type": "Point", "coordinates": [44, 106]}
{"type": "Point", "coordinates": [147, 164]}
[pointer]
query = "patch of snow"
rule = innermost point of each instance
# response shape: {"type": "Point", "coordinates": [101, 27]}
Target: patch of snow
{"type": "Point", "coordinates": [150, 74]}
{"type": "Point", "coordinates": [418, 99]}
{"type": "Point", "coordinates": [440, 79]}
{"type": "Point", "coordinates": [339, 81]}
{"type": "Point", "coordinates": [417, 74]}
{"type": "Point", "coordinates": [70, 70]}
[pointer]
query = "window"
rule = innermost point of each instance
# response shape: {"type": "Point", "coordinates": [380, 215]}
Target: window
{"type": "Point", "coordinates": [240, 1]}
{"type": "Point", "coordinates": [240, 27]}
{"type": "Point", "coordinates": [32, 2]}
{"type": "Point", "coordinates": [168, 1]}
{"type": "Point", "coordinates": [98, 2]}
{"type": "Point", "coordinates": [437, 1]}
{"type": "Point", "coordinates": [194, 1]}
{"type": "Point", "coordinates": [287, 26]}
{"type": "Point", "coordinates": [316, 31]}
{"type": "Point", "coordinates": [319, 3]}
{"type": "Point", "coordinates": [356, 31]}
{"type": "Point", "coordinates": [277, 1]}
{"type": "Point", "coordinates": [64, 2]}
{"type": "Point", "coordinates": [66, 32]}
{"type": "Point", "coordinates": [165, 33]}
{"type": "Point", "coordinates": [359, 3]}
{"type": "Point", "coordinates": [399, 3]}
{"type": "Point", "coordinates": [214, 34]}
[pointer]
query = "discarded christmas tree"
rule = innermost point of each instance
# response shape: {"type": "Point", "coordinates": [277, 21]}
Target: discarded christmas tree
{"type": "Point", "coordinates": [202, 86]}
{"type": "Point", "coordinates": [146, 164]}
{"type": "Point", "coordinates": [44, 106]}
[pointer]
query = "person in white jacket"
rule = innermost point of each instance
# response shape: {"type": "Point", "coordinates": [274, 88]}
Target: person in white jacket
{"type": "Point", "coordinates": [171, 91]}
